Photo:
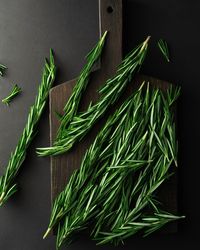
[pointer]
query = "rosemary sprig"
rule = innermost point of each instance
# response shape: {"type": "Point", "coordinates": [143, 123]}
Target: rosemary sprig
{"type": "Point", "coordinates": [146, 223]}
{"type": "Point", "coordinates": [88, 166]}
{"type": "Point", "coordinates": [7, 185]}
{"type": "Point", "coordinates": [134, 147]}
{"type": "Point", "coordinates": [14, 92]}
{"type": "Point", "coordinates": [162, 44]}
{"type": "Point", "coordinates": [72, 104]}
{"type": "Point", "coordinates": [109, 93]}
{"type": "Point", "coordinates": [123, 221]}
{"type": "Point", "coordinates": [2, 69]}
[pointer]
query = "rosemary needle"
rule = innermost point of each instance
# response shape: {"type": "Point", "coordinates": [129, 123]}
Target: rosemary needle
{"type": "Point", "coordinates": [7, 185]}
{"type": "Point", "coordinates": [14, 92]}
{"type": "Point", "coordinates": [2, 69]}
{"type": "Point", "coordinates": [162, 44]}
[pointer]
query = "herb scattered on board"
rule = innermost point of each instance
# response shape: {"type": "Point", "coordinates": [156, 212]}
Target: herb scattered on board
{"type": "Point", "coordinates": [109, 93]}
{"type": "Point", "coordinates": [162, 44]}
{"type": "Point", "coordinates": [121, 172]}
{"type": "Point", "coordinates": [72, 104]}
{"type": "Point", "coordinates": [14, 92]}
{"type": "Point", "coordinates": [7, 185]}
{"type": "Point", "coordinates": [2, 69]}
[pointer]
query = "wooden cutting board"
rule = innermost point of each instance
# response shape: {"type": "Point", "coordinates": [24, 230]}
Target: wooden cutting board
{"type": "Point", "coordinates": [110, 19]}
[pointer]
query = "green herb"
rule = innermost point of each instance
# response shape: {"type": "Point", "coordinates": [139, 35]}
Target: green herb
{"type": "Point", "coordinates": [14, 92]}
{"type": "Point", "coordinates": [121, 171]}
{"type": "Point", "coordinates": [146, 223]}
{"type": "Point", "coordinates": [7, 185]}
{"type": "Point", "coordinates": [162, 44]}
{"type": "Point", "coordinates": [80, 177]}
{"type": "Point", "coordinates": [72, 104]}
{"type": "Point", "coordinates": [2, 69]}
{"type": "Point", "coordinates": [109, 93]}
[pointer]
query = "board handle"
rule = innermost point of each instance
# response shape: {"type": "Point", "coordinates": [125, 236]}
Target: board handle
{"type": "Point", "coordinates": [110, 19]}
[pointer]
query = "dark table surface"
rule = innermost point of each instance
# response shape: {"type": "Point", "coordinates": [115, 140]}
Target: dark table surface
{"type": "Point", "coordinates": [28, 29]}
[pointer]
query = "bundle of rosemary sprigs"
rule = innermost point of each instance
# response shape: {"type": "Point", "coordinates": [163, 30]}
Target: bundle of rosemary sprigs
{"type": "Point", "coordinates": [114, 191]}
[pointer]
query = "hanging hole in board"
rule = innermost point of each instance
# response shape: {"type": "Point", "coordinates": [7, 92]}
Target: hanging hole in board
{"type": "Point", "coordinates": [109, 9]}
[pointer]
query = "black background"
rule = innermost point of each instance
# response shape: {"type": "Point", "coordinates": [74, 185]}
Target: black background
{"type": "Point", "coordinates": [28, 28]}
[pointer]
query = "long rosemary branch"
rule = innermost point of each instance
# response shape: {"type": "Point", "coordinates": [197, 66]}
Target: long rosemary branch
{"type": "Point", "coordinates": [7, 186]}
{"type": "Point", "coordinates": [89, 165]}
{"type": "Point", "coordinates": [109, 93]}
{"type": "Point", "coordinates": [123, 222]}
{"type": "Point", "coordinates": [72, 104]}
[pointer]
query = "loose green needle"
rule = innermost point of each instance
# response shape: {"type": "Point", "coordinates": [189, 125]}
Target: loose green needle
{"type": "Point", "coordinates": [15, 91]}
{"type": "Point", "coordinates": [162, 44]}
{"type": "Point", "coordinates": [7, 185]}
{"type": "Point", "coordinates": [109, 94]}
{"type": "Point", "coordinates": [2, 69]}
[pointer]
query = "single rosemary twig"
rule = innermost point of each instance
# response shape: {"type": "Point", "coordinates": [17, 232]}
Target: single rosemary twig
{"type": "Point", "coordinates": [7, 185]}
{"type": "Point", "coordinates": [2, 69]}
{"type": "Point", "coordinates": [72, 104]}
{"type": "Point", "coordinates": [162, 44]}
{"type": "Point", "coordinates": [109, 93]}
{"type": "Point", "coordinates": [14, 92]}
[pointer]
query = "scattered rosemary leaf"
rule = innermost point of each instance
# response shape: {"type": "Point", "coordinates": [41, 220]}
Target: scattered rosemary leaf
{"type": "Point", "coordinates": [14, 92]}
{"type": "Point", "coordinates": [2, 69]}
{"type": "Point", "coordinates": [162, 44]}
{"type": "Point", "coordinates": [7, 185]}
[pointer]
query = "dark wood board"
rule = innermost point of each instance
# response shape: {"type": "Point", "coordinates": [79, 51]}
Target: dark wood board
{"type": "Point", "coordinates": [62, 166]}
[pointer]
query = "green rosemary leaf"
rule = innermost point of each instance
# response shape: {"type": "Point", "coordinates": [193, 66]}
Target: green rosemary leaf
{"type": "Point", "coordinates": [14, 92]}
{"type": "Point", "coordinates": [109, 93]}
{"type": "Point", "coordinates": [7, 186]}
{"type": "Point", "coordinates": [162, 44]}
{"type": "Point", "coordinates": [2, 69]}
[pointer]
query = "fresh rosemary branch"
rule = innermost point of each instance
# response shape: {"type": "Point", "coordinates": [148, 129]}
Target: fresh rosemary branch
{"type": "Point", "coordinates": [7, 185]}
{"type": "Point", "coordinates": [109, 93]}
{"type": "Point", "coordinates": [2, 69]}
{"type": "Point", "coordinates": [147, 223]}
{"type": "Point", "coordinates": [134, 146]}
{"type": "Point", "coordinates": [14, 92]}
{"type": "Point", "coordinates": [88, 166]}
{"type": "Point", "coordinates": [72, 104]}
{"type": "Point", "coordinates": [162, 152]}
{"type": "Point", "coordinates": [162, 44]}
